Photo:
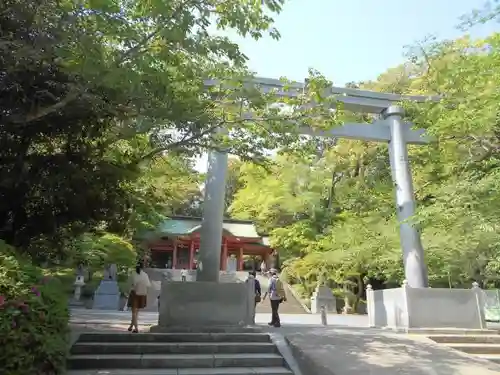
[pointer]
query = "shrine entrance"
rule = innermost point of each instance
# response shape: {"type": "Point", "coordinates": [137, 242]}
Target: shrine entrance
{"type": "Point", "coordinates": [176, 244]}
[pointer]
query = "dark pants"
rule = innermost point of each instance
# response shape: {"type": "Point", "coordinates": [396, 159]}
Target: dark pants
{"type": "Point", "coordinates": [183, 278]}
{"type": "Point", "coordinates": [275, 317]}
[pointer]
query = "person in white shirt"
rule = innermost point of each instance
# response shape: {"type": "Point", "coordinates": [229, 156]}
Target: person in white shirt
{"type": "Point", "coordinates": [184, 274]}
{"type": "Point", "coordinates": [138, 295]}
{"type": "Point", "coordinates": [263, 268]}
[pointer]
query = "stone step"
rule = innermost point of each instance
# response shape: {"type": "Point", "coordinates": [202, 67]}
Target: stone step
{"type": "Point", "coordinates": [172, 347]}
{"type": "Point", "coordinates": [149, 361]}
{"type": "Point", "coordinates": [173, 337]}
{"type": "Point", "coordinates": [465, 339]}
{"type": "Point", "coordinates": [475, 348]}
{"type": "Point", "coordinates": [190, 371]}
{"type": "Point", "coordinates": [451, 332]}
{"type": "Point", "coordinates": [212, 329]}
{"type": "Point", "coordinates": [490, 357]}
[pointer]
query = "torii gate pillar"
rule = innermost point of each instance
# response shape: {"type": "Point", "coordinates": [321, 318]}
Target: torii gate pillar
{"type": "Point", "coordinates": [213, 217]}
{"type": "Point", "coordinates": [413, 252]}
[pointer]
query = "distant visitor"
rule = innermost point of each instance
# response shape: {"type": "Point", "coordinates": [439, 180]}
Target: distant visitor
{"type": "Point", "coordinates": [252, 278]}
{"type": "Point", "coordinates": [137, 299]}
{"type": "Point", "coordinates": [276, 292]}
{"type": "Point", "coordinates": [184, 274]}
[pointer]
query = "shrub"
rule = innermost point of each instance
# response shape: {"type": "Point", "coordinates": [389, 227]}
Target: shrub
{"type": "Point", "coordinates": [33, 318]}
{"type": "Point", "coordinates": [99, 249]}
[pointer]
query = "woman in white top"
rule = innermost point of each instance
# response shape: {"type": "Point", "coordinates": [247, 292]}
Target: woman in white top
{"type": "Point", "coordinates": [137, 298]}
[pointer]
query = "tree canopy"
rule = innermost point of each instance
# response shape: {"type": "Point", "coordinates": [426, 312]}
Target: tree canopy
{"type": "Point", "coordinates": [104, 104]}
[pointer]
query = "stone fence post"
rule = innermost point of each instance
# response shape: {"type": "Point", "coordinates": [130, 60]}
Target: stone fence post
{"type": "Point", "coordinates": [370, 305]}
{"type": "Point", "coordinates": [406, 313]}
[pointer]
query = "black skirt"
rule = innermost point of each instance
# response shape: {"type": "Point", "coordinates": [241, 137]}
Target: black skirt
{"type": "Point", "coordinates": [136, 301]}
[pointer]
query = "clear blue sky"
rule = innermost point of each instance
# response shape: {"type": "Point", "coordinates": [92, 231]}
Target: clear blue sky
{"type": "Point", "coordinates": [352, 40]}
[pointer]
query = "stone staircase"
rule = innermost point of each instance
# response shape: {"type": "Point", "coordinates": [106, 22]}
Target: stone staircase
{"type": "Point", "coordinates": [486, 346]}
{"type": "Point", "coordinates": [291, 306]}
{"type": "Point", "coordinates": [176, 353]}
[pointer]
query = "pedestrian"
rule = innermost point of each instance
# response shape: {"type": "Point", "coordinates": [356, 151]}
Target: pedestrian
{"type": "Point", "coordinates": [184, 274]}
{"type": "Point", "coordinates": [276, 292]}
{"type": "Point", "coordinates": [137, 299]}
{"type": "Point", "coordinates": [252, 278]}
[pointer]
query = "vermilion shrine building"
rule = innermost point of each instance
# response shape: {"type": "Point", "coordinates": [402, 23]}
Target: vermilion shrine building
{"type": "Point", "coordinates": [176, 242]}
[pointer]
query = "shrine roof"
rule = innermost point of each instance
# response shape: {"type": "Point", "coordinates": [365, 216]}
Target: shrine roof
{"type": "Point", "coordinates": [184, 225]}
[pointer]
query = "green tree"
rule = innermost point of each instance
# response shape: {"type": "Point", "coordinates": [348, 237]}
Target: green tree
{"type": "Point", "coordinates": [95, 89]}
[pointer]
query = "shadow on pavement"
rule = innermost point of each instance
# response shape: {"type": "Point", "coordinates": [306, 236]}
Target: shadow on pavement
{"type": "Point", "coordinates": [323, 351]}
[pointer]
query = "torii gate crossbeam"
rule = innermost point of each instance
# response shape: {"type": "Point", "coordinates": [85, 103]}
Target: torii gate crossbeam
{"type": "Point", "coordinates": [390, 128]}
{"type": "Point", "coordinates": [361, 101]}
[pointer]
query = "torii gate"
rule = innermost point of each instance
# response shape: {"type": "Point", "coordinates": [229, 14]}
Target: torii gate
{"type": "Point", "coordinates": [390, 128]}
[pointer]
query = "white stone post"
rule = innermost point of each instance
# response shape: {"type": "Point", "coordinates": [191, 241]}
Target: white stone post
{"type": "Point", "coordinates": [370, 305]}
{"type": "Point", "coordinates": [406, 313]}
{"type": "Point", "coordinates": [324, 318]}
{"type": "Point", "coordinates": [480, 304]}
{"type": "Point", "coordinates": [79, 282]}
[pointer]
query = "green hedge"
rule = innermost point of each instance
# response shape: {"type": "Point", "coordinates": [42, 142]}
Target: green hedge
{"type": "Point", "coordinates": [34, 318]}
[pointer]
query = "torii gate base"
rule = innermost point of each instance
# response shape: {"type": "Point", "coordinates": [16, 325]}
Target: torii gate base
{"type": "Point", "coordinates": [437, 310]}
{"type": "Point", "coordinates": [199, 305]}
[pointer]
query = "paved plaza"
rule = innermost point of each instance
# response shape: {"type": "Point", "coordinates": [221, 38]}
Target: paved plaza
{"type": "Point", "coordinates": [83, 316]}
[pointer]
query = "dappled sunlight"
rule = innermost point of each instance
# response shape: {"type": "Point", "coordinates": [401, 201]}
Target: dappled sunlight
{"type": "Point", "coordinates": [366, 351]}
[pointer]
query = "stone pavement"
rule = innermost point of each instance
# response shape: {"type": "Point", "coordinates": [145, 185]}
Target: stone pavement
{"type": "Point", "coordinates": [345, 347]}
{"type": "Point", "coordinates": [82, 316]}
{"type": "Point", "coordinates": [351, 351]}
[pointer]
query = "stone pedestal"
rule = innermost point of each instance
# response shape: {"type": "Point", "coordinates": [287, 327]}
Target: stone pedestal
{"type": "Point", "coordinates": [79, 283]}
{"type": "Point", "coordinates": [204, 304]}
{"type": "Point", "coordinates": [107, 296]}
{"type": "Point", "coordinates": [408, 308]}
{"type": "Point", "coordinates": [323, 296]}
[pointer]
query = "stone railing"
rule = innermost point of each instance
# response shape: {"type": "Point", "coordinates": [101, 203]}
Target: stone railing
{"type": "Point", "coordinates": [491, 303]}
{"type": "Point", "coordinates": [297, 297]}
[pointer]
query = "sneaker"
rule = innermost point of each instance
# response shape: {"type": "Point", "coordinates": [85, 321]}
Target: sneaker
{"type": "Point", "coordinates": [270, 324]}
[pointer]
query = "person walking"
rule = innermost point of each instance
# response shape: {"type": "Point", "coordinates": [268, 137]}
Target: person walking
{"type": "Point", "coordinates": [276, 292]}
{"type": "Point", "coordinates": [184, 274]}
{"type": "Point", "coordinates": [138, 295]}
{"type": "Point", "coordinates": [252, 278]}
{"type": "Point", "coordinates": [263, 268]}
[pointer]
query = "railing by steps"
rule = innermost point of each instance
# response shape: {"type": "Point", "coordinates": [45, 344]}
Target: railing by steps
{"type": "Point", "coordinates": [297, 298]}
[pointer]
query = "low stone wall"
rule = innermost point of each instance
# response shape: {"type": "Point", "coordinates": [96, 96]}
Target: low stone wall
{"type": "Point", "coordinates": [405, 308]}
